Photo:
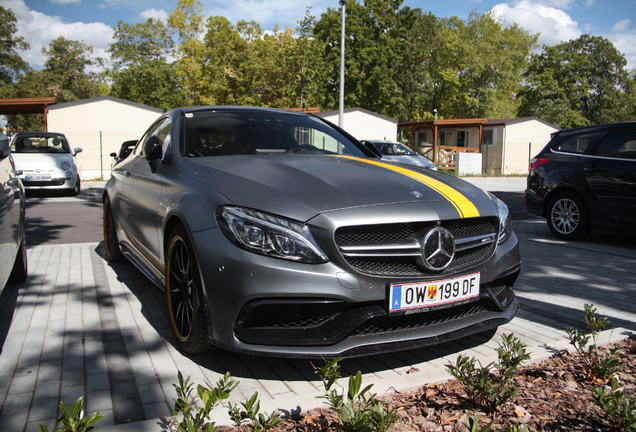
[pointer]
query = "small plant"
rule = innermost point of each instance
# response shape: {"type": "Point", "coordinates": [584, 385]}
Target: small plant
{"type": "Point", "coordinates": [599, 363]}
{"type": "Point", "coordinates": [472, 422]}
{"type": "Point", "coordinates": [197, 418]}
{"type": "Point", "coordinates": [256, 421]}
{"type": "Point", "coordinates": [620, 408]}
{"type": "Point", "coordinates": [359, 410]}
{"type": "Point", "coordinates": [487, 388]}
{"type": "Point", "coordinates": [73, 420]}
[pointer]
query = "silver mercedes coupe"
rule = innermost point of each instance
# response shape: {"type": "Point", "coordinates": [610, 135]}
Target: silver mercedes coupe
{"type": "Point", "coordinates": [277, 233]}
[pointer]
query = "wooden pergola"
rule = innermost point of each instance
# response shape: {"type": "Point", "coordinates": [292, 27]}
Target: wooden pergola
{"type": "Point", "coordinates": [436, 124]}
{"type": "Point", "coordinates": [26, 106]}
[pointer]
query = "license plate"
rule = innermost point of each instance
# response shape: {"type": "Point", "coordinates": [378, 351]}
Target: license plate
{"type": "Point", "coordinates": [427, 294]}
{"type": "Point", "coordinates": [38, 178]}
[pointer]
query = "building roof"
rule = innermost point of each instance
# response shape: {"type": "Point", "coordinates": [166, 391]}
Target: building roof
{"type": "Point", "coordinates": [356, 109]}
{"type": "Point", "coordinates": [105, 98]}
{"type": "Point", "coordinates": [511, 121]}
{"type": "Point", "coordinates": [25, 105]}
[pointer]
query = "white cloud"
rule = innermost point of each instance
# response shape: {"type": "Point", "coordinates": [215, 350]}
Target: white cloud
{"type": "Point", "coordinates": [626, 44]}
{"type": "Point", "coordinates": [560, 4]}
{"type": "Point", "coordinates": [554, 24]}
{"type": "Point", "coordinates": [39, 30]}
{"type": "Point", "coordinates": [621, 26]}
{"type": "Point", "coordinates": [160, 15]}
{"type": "Point", "coordinates": [63, 2]}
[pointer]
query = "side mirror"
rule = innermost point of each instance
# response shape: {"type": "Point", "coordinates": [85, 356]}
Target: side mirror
{"type": "Point", "coordinates": [152, 148]}
{"type": "Point", "coordinates": [113, 155]}
{"type": "Point", "coordinates": [373, 148]}
{"type": "Point", "coordinates": [77, 150]}
{"type": "Point", "coordinates": [4, 146]}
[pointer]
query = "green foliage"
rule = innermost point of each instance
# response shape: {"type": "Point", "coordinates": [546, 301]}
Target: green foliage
{"type": "Point", "coordinates": [487, 388]}
{"type": "Point", "coordinates": [358, 410]}
{"type": "Point", "coordinates": [577, 83]}
{"type": "Point", "coordinates": [251, 416]}
{"type": "Point", "coordinates": [472, 422]}
{"type": "Point", "coordinates": [620, 408]}
{"type": "Point", "coordinates": [601, 363]}
{"type": "Point", "coordinates": [74, 420]}
{"type": "Point", "coordinates": [196, 418]}
{"type": "Point", "coordinates": [11, 64]}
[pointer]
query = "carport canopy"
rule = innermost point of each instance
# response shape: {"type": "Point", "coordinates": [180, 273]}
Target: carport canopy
{"type": "Point", "coordinates": [26, 106]}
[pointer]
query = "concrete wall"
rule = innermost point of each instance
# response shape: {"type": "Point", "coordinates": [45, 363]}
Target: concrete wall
{"type": "Point", "coordinates": [105, 121]}
{"type": "Point", "coordinates": [364, 126]}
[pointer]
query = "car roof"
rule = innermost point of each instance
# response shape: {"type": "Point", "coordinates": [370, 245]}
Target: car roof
{"type": "Point", "coordinates": [39, 134]}
{"type": "Point", "coordinates": [236, 108]}
{"type": "Point", "coordinates": [600, 127]}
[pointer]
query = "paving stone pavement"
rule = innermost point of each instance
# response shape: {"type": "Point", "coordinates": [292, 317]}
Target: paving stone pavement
{"type": "Point", "coordinates": [82, 327]}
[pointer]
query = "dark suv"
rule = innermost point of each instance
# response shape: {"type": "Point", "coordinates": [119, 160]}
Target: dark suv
{"type": "Point", "coordinates": [585, 178]}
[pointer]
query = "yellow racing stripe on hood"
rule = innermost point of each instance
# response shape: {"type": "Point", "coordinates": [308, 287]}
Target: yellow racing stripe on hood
{"type": "Point", "coordinates": [463, 205]}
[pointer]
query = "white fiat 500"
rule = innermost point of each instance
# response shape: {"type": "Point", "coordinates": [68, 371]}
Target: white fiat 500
{"type": "Point", "coordinates": [46, 161]}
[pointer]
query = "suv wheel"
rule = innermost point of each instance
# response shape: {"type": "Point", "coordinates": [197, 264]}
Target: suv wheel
{"type": "Point", "coordinates": [568, 218]}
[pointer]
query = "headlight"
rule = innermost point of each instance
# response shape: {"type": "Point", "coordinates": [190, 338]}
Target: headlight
{"type": "Point", "coordinates": [65, 165]}
{"type": "Point", "coordinates": [505, 223]}
{"type": "Point", "coordinates": [269, 235]}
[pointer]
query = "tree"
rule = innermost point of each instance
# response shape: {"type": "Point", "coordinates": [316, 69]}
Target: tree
{"type": "Point", "coordinates": [140, 71]}
{"type": "Point", "coordinates": [11, 64]}
{"type": "Point", "coordinates": [67, 71]}
{"type": "Point", "coordinates": [578, 83]}
{"type": "Point", "coordinates": [186, 20]}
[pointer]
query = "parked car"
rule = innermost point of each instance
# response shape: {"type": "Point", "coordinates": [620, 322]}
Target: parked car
{"type": "Point", "coordinates": [585, 178]}
{"type": "Point", "coordinates": [124, 150]}
{"type": "Point", "coordinates": [397, 152]}
{"type": "Point", "coordinates": [276, 233]}
{"type": "Point", "coordinates": [13, 252]}
{"type": "Point", "coordinates": [47, 161]}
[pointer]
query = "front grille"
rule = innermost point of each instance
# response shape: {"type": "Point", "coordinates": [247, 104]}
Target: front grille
{"type": "Point", "coordinates": [395, 248]}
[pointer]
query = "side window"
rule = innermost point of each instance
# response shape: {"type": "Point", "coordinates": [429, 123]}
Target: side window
{"type": "Point", "coordinates": [161, 129]}
{"type": "Point", "coordinates": [577, 143]}
{"type": "Point", "coordinates": [619, 144]}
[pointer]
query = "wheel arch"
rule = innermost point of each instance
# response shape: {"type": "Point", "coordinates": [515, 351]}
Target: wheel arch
{"type": "Point", "coordinates": [557, 191]}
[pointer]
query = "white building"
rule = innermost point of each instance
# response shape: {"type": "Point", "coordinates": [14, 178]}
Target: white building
{"type": "Point", "coordinates": [508, 144]}
{"type": "Point", "coordinates": [99, 126]}
{"type": "Point", "coordinates": [364, 124]}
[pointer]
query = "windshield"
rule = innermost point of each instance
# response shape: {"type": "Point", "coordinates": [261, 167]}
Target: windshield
{"type": "Point", "coordinates": [245, 132]}
{"type": "Point", "coordinates": [395, 149]}
{"type": "Point", "coordinates": [39, 144]}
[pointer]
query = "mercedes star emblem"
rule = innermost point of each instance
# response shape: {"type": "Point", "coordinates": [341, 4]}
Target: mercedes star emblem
{"type": "Point", "coordinates": [438, 249]}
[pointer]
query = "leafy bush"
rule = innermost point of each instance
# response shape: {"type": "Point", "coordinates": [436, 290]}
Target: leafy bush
{"type": "Point", "coordinates": [74, 420]}
{"type": "Point", "coordinates": [600, 363]}
{"type": "Point", "coordinates": [487, 388]}
{"type": "Point", "coordinates": [197, 418]}
{"type": "Point", "coordinates": [620, 408]}
{"type": "Point", "coordinates": [256, 422]}
{"type": "Point", "coordinates": [359, 410]}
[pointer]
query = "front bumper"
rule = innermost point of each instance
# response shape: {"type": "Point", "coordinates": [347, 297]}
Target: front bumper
{"type": "Point", "coordinates": [267, 306]}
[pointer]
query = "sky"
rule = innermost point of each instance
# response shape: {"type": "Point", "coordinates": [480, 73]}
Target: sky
{"type": "Point", "coordinates": [93, 21]}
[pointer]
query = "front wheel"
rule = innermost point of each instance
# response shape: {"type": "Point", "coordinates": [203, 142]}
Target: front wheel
{"type": "Point", "coordinates": [185, 295]}
{"type": "Point", "coordinates": [568, 218]}
{"type": "Point", "coordinates": [111, 242]}
{"type": "Point", "coordinates": [76, 190]}
{"type": "Point", "coordinates": [20, 270]}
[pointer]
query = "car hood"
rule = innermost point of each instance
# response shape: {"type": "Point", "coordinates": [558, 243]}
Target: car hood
{"type": "Point", "coordinates": [300, 187]}
{"type": "Point", "coordinates": [29, 161]}
{"type": "Point", "coordinates": [420, 161]}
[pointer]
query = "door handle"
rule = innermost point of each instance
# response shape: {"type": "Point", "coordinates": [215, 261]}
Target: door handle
{"type": "Point", "coordinates": [591, 169]}
{"type": "Point", "coordinates": [127, 173]}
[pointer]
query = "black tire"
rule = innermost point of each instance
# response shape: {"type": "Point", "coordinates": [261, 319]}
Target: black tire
{"type": "Point", "coordinates": [185, 295]}
{"type": "Point", "coordinates": [20, 270]}
{"type": "Point", "coordinates": [76, 190]}
{"type": "Point", "coordinates": [568, 217]}
{"type": "Point", "coordinates": [111, 242]}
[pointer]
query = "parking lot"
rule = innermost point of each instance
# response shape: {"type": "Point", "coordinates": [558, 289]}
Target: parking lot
{"type": "Point", "coordinates": [82, 327]}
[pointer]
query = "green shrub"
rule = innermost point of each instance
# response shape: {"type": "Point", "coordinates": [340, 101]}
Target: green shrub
{"type": "Point", "coordinates": [250, 414]}
{"type": "Point", "coordinates": [487, 388]}
{"type": "Point", "coordinates": [74, 420]}
{"type": "Point", "coordinates": [358, 410]}
{"type": "Point", "coordinates": [620, 408]}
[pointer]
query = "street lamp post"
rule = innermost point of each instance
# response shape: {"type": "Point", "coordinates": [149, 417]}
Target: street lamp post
{"type": "Point", "coordinates": [342, 65]}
